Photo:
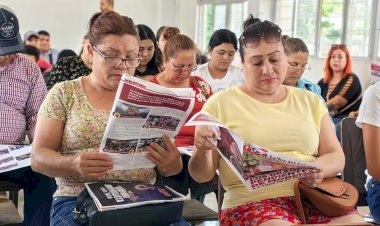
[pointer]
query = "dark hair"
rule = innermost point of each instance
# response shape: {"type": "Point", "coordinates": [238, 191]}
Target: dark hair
{"type": "Point", "coordinates": [109, 23]}
{"type": "Point", "coordinates": [255, 26]}
{"type": "Point", "coordinates": [65, 53]}
{"type": "Point", "coordinates": [222, 36]}
{"type": "Point", "coordinates": [176, 43]}
{"type": "Point", "coordinates": [294, 45]}
{"type": "Point", "coordinates": [31, 50]}
{"type": "Point", "coordinates": [159, 32]}
{"type": "Point", "coordinates": [43, 32]}
{"type": "Point", "coordinates": [201, 59]}
{"type": "Point", "coordinates": [146, 33]}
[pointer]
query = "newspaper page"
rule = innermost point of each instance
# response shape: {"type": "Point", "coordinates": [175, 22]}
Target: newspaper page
{"type": "Point", "coordinates": [142, 112]}
{"type": "Point", "coordinates": [118, 195]}
{"type": "Point", "coordinates": [255, 166]}
{"type": "Point", "coordinates": [14, 157]}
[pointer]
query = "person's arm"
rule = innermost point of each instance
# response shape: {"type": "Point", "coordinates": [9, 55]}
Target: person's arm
{"type": "Point", "coordinates": [46, 159]}
{"type": "Point", "coordinates": [168, 160]}
{"type": "Point", "coordinates": [350, 89]}
{"type": "Point", "coordinates": [330, 158]}
{"type": "Point", "coordinates": [371, 141]}
{"type": "Point", "coordinates": [37, 94]}
{"type": "Point", "coordinates": [205, 159]}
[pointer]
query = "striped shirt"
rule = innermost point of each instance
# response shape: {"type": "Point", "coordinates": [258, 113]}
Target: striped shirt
{"type": "Point", "coordinates": [22, 90]}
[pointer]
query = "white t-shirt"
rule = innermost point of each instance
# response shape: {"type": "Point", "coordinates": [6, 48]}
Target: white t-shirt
{"type": "Point", "coordinates": [369, 111]}
{"type": "Point", "coordinates": [234, 77]}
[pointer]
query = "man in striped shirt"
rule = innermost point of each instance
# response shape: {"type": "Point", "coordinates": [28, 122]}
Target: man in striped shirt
{"type": "Point", "coordinates": [22, 90]}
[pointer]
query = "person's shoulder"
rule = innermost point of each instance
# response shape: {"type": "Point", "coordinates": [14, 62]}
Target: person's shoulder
{"type": "Point", "coordinates": [68, 86]}
{"type": "Point", "coordinates": [373, 89]}
{"type": "Point", "coordinates": [201, 70]}
{"type": "Point", "coordinates": [302, 93]}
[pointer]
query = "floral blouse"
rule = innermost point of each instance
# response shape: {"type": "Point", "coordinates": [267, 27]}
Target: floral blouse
{"type": "Point", "coordinates": [83, 131]}
{"type": "Point", "coordinates": [67, 68]}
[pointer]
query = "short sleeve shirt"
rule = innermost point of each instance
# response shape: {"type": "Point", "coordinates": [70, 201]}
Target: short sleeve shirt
{"type": "Point", "coordinates": [83, 131]}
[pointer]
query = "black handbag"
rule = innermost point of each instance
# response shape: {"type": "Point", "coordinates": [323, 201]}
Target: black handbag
{"type": "Point", "coordinates": [86, 213]}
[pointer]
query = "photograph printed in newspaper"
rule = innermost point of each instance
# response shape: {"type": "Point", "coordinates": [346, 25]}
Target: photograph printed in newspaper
{"type": "Point", "coordinates": [118, 195]}
{"type": "Point", "coordinates": [14, 157]}
{"type": "Point", "coordinates": [142, 112]}
{"type": "Point", "coordinates": [255, 166]}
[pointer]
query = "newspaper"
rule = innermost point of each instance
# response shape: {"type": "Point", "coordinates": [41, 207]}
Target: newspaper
{"type": "Point", "coordinates": [118, 195]}
{"type": "Point", "coordinates": [14, 157]}
{"type": "Point", "coordinates": [142, 112]}
{"type": "Point", "coordinates": [255, 166]}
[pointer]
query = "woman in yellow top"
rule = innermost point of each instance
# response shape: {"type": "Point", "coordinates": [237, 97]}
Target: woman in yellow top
{"type": "Point", "coordinates": [285, 119]}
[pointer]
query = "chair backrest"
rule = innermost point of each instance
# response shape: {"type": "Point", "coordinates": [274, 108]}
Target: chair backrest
{"type": "Point", "coordinates": [353, 147]}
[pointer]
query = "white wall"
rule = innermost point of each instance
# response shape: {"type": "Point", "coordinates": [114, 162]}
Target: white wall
{"type": "Point", "coordinates": [66, 20]}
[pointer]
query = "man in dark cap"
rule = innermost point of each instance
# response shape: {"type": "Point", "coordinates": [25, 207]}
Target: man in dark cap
{"type": "Point", "coordinates": [22, 90]}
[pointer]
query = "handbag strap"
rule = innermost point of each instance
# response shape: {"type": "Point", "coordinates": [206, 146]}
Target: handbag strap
{"type": "Point", "coordinates": [297, 197]}
{"type": "Point", "coordinates": [351, 104]}
{"type": "Point", "coordinates": [79, 204]}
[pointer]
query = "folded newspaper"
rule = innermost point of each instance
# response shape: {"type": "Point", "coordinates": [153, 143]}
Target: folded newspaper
{"type": "Point", "coordinates": [142, 112]}
{"type": "Point", "coordinates": [14, 157]}
{"type": "Point", "coordinates": [118, 195]}
{"type": "Point", "coordinates": [255, 166]}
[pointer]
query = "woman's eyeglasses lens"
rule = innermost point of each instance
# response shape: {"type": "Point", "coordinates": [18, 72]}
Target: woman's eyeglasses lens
{"type": "Point", "coordinates": [184, 69]}
{"type": "Point", "coordinates": [296, 68]}
{"type": "Point", "coordinates": [116, 61]}
{"type": "Point", "coordinates": [252, 40]}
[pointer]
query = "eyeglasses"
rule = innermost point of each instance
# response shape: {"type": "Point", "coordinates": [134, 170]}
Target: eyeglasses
{"type": "Point", "coordinates": [251, 39]}
{"type": "Point", "coordinates": [298, 67]}
{"type": "Point", "coordinates": [182, 69]}
{"type": "Point", "coordinates": [116, 61]}
{"type": "Point", "coordinates": [338, 46]}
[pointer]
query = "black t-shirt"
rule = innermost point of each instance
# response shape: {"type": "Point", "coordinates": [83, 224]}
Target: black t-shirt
{"type": "Point", "coordinates": [148, 71]}
{"type": "Point", "coordinates": [349, 88]}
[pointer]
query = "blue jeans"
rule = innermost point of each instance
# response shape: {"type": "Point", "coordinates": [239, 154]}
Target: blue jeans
{"type": "Point", "coordinates": [62, 212]}
{"type": "Point", "coordinates": [373, 198]}
{"type": "Point", "coordinates": [38, 192]}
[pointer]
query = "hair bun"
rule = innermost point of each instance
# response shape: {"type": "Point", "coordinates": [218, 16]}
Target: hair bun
{"type": "Point", "coordinates": [249, 21]}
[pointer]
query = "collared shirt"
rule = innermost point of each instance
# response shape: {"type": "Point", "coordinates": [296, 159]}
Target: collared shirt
{"type": "Point", "coordinates": [303, 83]}
{"type": "Point", "coordinates": [51, 56]}
{"type": "Point", "coordinates": [22, 90]}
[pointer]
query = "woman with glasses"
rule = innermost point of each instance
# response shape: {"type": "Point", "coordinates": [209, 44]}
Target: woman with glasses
{"type": "Point", "coordinates": [298, 56]}
{"type": "Point", "coordinates": [72, 120]}
{"type": "Point", "coordinates": [340, 87]}
{"type": "Point", "coordinates": [148, 66]}
{"type": "Point", "coordinates": [264, 111]}
{"type": "Point", "coordinates": [180, 52]}
{"type": "Point", "coordinates": [219, 72]}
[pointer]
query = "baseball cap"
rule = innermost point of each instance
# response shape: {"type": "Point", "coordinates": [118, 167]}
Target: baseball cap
{"type": "Point", "coordinates": [10, 39]}
{"type": "Point", "coordinates": [30, 34]}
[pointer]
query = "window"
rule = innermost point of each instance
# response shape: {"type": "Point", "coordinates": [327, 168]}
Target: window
{"type": "Point", "coordinates": [320, 23]}
{"type": "Point", "coordinates": [218, 15]}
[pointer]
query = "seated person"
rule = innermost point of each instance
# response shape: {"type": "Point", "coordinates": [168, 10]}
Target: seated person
{"type": "Point", "coordinates": [22, 91]}
{"type": "Point", "coordinates": [263, 111]}
{"type": "Point", "coordinates": [340, 87]}
{"type": "Point", "coordinates": [369, 120]}
{"type": "Point", "coordinates": [73, 118]}
{"type": "Point", "coordinates": [179, 62]}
